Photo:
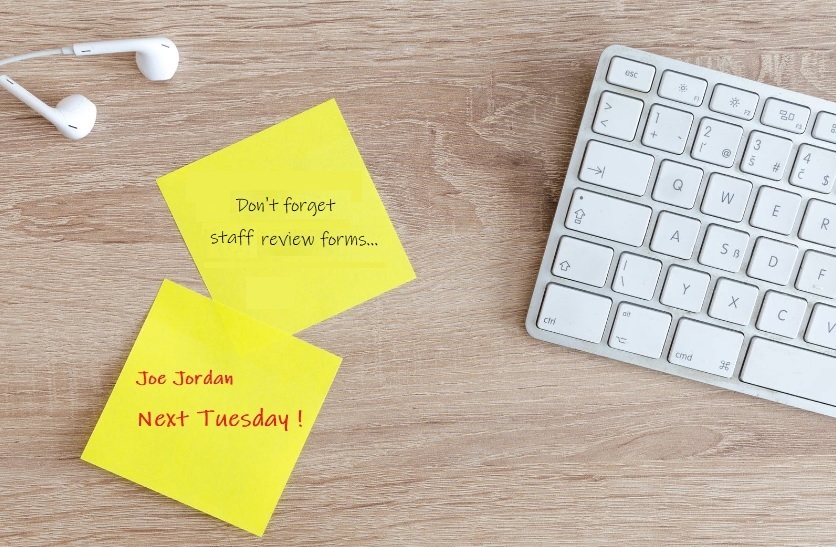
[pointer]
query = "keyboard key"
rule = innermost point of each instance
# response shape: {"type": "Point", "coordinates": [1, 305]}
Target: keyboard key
{"type": "Point", "coordinates": [724, 248]}
{"type": "Point", "coordinates": [617, 116]}
{"type": "Point", "coordinates": [781, 314]}
{"type": "Point", "coordinates": [734, 102]}
{"type": "Point", "coordinates": [783, 115]}
{"type": "Point", "coordinates": [704, 347]}
{"type": "Point", "coordinates": [772, 261]}
{"type": "Point", "coordinates": [717, 142]}
{"type": "Point", "coordinates": [685, 289]}
{"type": "Point", "coordinates": [667, 129]}
{"type": "Point", "coordinates": [582, 261]}
{"type": "Point", "coordinates": [608, 217]}
{"type": "Point", "coordinates": [675, 235]}
{"type": "Point", "coordinates": [822, 328]}
{"type": "Point", "coordinates": [825, 128]}
{"type": "Point", "coordinates": [766, 155]}
{"type": "Point", "coordinates": [775, 210]}
{"type": "Point", "coordinates": [631, 74]}
{"type": "Point", "coordinates": [819, 224]}
{"type": "Point", "coordinates": [574, 313]}
{"type": "Point", "coordinates": [815, 169]}
{"type": "Point", "coordinates": [615, 167]}
{"type": "Point", "coordinates": [733, 302]}
{"type": "Point", "coordinates": [640, 330]}
{"type": "Point", "coordinates": [726, 197]}
{"type": "Point", "coordinates": [817, 274]}
{"type": "Point", "coordinates": [682, 88]}
{"type": "Point", "coordinates": [677, 184]}
{"type": "Point", "coordinates": [636, 275]}
{"type": "Point", "coordinates": [790, 370]}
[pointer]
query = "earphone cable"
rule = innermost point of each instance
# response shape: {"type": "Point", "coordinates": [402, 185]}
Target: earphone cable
{"type": "Point", "coordinates": [45, 53]}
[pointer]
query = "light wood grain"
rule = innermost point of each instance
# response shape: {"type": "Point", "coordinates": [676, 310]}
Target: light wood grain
{"type": "Point", "coordinates": [446, 423]}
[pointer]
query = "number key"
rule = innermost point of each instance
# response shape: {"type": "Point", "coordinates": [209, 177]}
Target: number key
{"type": "Point", "coordinates": [815, 169]}
{"type": "Point", "coordinates": [717, 142]}
{"type": "Point", "coordinates": [766, 155]}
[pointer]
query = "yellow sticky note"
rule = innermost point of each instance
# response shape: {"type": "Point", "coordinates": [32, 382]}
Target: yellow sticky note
{"type": "Point", "coordinates": [287, 225]}
{"type": "Point", "coordinates": [212, 408]}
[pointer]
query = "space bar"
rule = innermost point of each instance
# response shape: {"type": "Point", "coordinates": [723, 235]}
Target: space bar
{"type": "Point", "coordinates": [791, 370]}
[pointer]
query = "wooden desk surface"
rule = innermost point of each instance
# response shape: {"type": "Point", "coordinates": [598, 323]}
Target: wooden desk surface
{"type": "Point", "coordinates": [447, 423]}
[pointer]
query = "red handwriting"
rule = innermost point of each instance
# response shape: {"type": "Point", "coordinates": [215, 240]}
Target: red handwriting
{"type": "Point", "coordinates": [183, 378]}
{"type": "Point", "coordinates": [165, 419]}
{"type": "Point", "coordinates": [260, 419]}
{"type": "Point", "coordinates": [211, 417]}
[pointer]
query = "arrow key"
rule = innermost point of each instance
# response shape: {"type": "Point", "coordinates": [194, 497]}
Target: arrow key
{"type": "Point", "coordinates": [617, 116]}
{"type": "Point", "coordinates": [582, 261]}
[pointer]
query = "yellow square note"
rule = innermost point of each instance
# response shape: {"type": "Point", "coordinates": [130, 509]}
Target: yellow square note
{"type": "Point", "coordinates": [287, 225]}
{"type": "Point", "coordinates": [212, 408]}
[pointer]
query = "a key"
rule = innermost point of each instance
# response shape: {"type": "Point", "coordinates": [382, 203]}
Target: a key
{"type": "Point", "coordinates": [772, 261]}
{"type": "Point", "coordinates": [822, 328]}
{"type": "Point", "coordinates": [766, 155]}
{"type": "Point", "coordinates": [639, 330]}
{"type": "Point", "coordinates": [817, 274]}
{"type": "Point", "coordinates": [684, 289]}
{"type": "Point", "coordinates": [815, 169]}
{"type": "Point", "coordinates": [682, 88]}
{"type": "Point", "coordinates": [677, 184]}
{"type": "Point", "coordinates": [734, 102]}
{"type": "Point", "coordinates": [733, 301]}
{"type": "Point", "coordinates": [717, 142]}
{"type": "Point", "coordinates": [825, 128]}
{"type": "Point", "coordinates": [617, 116]}
{"type": "Point", "coordinates": [667, 129]}
{"type": "Point", "coordinates": [636, 276]}
{"type": "Point", "coordinates": [790, 370]}
{"type": "Point", "coordinates": [783, 115]}
{"type": "Point", "coordinates": [726, 197]}
{"type": "Point", "coordinates": [724, 248]}
{"type": "Point", "coordinates": [781, 314]}
{"type": "Point", "coordinates": [631, 74]}
{"type": "Point", "coordinates": [675, 235]}
{"type": "Point", "coordinates": [819, 224]}
{"type": "Point", "coordinates": [582, 261]}
{"type": "Point", "coordinates": [608, 217]}
{"type": "Point", "coordinates": [615, 167]}
{"type": "Point", "coordinates": [574, 313]}
{"type": "Point", "coordinates": [704, 347]}
{"type": "Point", "coordinates": [775, 210]}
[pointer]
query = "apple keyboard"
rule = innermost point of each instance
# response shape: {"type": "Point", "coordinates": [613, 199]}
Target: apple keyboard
{"type": "Point", "coordinates": [696, 231]}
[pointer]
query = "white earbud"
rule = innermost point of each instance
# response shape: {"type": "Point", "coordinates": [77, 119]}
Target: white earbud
{"type": "Point", "coordinates": [74, 116]}
{"type": "Point", "coordinates": [157, 58]}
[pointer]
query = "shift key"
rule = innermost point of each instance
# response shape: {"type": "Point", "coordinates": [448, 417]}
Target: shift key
{"type": "Point", "coordinates": [608, 217]}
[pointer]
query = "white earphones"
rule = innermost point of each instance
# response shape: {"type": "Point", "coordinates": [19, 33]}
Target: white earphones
{"type": "Point", "coordinates": [74, 116]}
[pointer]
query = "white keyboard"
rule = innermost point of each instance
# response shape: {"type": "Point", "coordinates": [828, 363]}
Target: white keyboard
{"type": "Point", "coordinates": [696, 230]}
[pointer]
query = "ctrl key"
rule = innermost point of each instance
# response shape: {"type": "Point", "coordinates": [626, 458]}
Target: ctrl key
{"type": "Point", "coordinates": [574, 313]}
{"type": "Point", "coordinates": [706, 348]}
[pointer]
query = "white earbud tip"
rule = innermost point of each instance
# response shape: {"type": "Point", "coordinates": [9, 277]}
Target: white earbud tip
{"type": "Point", "coordinates": [79, 116]}
{"type": "Point", "coordinates": [160, 61]}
